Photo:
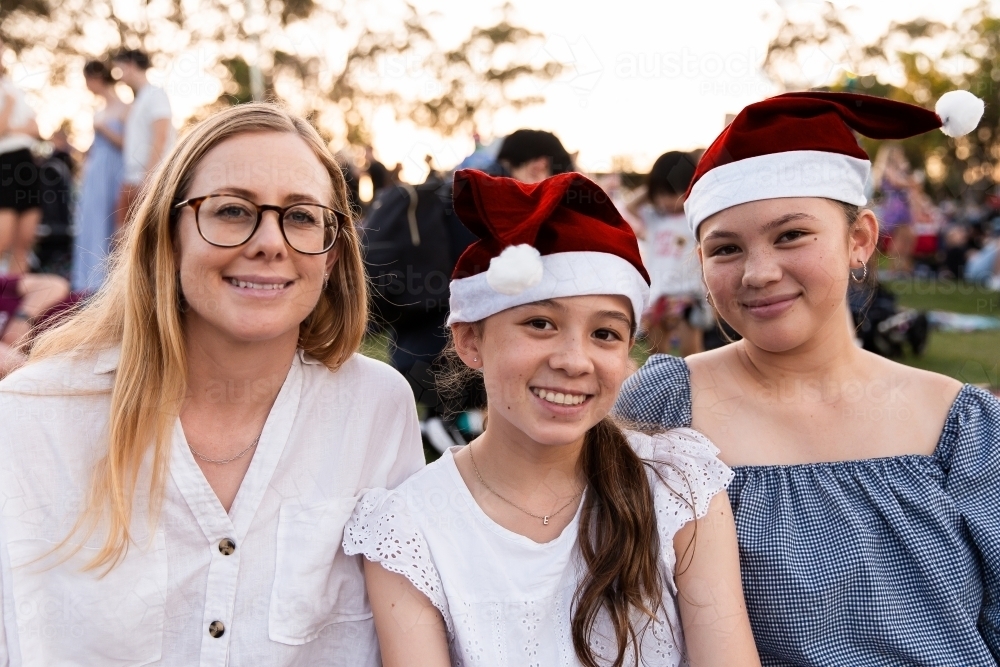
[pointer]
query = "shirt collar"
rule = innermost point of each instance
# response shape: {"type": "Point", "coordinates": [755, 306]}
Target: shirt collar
{"type": "Point", "coordinates": [107, 360]}
{"type": "Point", "coordinates": [306, 359]}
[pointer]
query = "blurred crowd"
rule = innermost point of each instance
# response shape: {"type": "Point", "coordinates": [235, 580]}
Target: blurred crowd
{"type": "Point", "coordinates": [954, 239]}
{"type": "Point", "coordinates": [60, 213]}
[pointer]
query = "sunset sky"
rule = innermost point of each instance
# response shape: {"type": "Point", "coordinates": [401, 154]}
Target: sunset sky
{"type": "Point", "coordinates": [640, 77]}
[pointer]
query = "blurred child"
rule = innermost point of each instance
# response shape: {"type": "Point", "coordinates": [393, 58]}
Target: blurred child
{"type": "Point", "coordinates": [678, 310]}
{"type": "Point", "coordinates": [893, 178]}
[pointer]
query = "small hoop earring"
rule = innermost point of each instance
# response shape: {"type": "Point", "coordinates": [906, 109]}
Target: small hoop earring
{"type": "Point", "coordinates": [864, 274]}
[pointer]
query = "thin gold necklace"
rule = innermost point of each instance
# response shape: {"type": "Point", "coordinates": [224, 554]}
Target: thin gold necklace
{"type": "Point", "coordinates": [544, 519]}
{"type": "Point", "coordinates": [224, 461]}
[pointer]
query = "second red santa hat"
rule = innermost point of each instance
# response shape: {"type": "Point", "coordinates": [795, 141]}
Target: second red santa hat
{"type": "Point", "coordinates": [803, 145]}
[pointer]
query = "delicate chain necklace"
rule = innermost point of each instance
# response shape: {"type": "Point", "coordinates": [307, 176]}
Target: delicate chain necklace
{"type": "Point", "coordinates": [223, 461]}
{"type": "Point", "coordinates": [545, 519]}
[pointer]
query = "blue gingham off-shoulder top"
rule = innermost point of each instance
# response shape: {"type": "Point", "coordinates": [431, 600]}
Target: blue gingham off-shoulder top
{"type": "Point", "coordinates": [886, 561]}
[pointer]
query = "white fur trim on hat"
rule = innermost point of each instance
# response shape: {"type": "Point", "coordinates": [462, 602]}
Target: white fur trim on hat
{"type": "Point", "coordinates": [516, 269]}
{"type": "Point", "coordinates": [787, 174]}
{"type": "Point", "coordinates": [959, 111]}
{"type": "Point", "coordinates": [564, 274]}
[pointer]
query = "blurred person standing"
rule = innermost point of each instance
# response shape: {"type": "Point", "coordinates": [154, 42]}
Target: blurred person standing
{"type": "Point", "coordinates": [94, 220]}
{"type": "Point", "coordinates": [149, 131]}
{"type": "Point", "coordinates": [20, 203]}
{"type": "Point", "coordinates": [891, 176]}
{"type": "Point", "coordinates": [377, 172]}
{"type": "Point", "coordinates": [531, 156]}
{"type": "Point", "coordinates": [677, 307]}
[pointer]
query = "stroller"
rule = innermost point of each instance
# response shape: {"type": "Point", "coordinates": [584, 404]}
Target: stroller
{"type": "Point", "coordinates": [883, 326]}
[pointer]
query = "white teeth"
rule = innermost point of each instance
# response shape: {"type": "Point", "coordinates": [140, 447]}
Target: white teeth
{"type": "Point", "coordinates": [263, 286]}
{"type": "Point", "coordinates": [559, 398]}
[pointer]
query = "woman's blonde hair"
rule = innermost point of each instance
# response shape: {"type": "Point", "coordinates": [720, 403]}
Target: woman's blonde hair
{"type": "Point", "coordinates": [139, 308]}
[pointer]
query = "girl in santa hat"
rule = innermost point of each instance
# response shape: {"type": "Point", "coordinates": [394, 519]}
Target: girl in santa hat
{"type": "Point", "coordinates": [865, 491]}
{"type": "Point", "coordinates": [555, 538]}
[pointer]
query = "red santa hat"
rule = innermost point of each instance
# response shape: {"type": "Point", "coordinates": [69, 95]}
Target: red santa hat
{"type": "Point", "coordinates": [802, 145]}
{"type": "Point", "coordinates": [560, 237]}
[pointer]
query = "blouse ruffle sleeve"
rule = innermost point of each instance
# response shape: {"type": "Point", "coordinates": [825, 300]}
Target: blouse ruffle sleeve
{"type": "Point", "coordinates": [973, 465]}
{"type": "Point", "coordinates": [686, 474]}
{"type": "Point", "coordinates": [658, 394]}
{"type": "Point", "coordinates": [383, 529]}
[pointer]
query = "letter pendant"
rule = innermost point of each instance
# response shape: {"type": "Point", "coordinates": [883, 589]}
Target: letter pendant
{"type": "Point", "coordinates": [545, 521]}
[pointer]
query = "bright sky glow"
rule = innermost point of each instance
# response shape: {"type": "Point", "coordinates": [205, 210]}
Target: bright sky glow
{"type": "Point", "coordinates": [640, 76]}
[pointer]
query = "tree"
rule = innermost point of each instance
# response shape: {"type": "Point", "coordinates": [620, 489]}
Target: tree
{"type": "Point", "coordinates": [336, 62]}
{"type": "Point", "coordinates": [916, 62]}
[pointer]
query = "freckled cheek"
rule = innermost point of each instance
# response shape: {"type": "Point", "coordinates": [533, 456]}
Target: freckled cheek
{"type": "Point", "coordinates": [508, 391]}
{"type": "Point", "coordinates": [723, 282]}
{"type": "Point", "coordinates": [506, 375]}
{"type": "Point", "coordinates": [820, 272]}
{"type": "Point", "coordinates": [609, 381]}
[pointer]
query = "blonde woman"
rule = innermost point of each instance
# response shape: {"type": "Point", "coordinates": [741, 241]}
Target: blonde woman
{"type": "Point", "coordinates": [179, 459]}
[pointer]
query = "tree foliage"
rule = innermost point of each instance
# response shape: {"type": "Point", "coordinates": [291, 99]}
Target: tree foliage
{"type": "Point", "coordinates": [337, 62]}
{"type": "Point", "coordinates": [916, 62]}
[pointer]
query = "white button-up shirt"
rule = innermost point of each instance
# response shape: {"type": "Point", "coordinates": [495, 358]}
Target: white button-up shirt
{"type": "Point", "coordinates": [286, 595]}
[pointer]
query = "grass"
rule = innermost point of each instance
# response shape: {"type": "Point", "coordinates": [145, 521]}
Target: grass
{"type": "Point", "coordinates": [969, 357]}
{"type": "Point", "coordinates": [376, 346]}
{"type": "Point", "coordinates": [949, 295]}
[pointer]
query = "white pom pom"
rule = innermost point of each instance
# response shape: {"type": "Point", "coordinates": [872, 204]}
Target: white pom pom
{"type": "Point", "coordinates": [516, 269]}
{"type": "Point", "coordinates": [959, 111]}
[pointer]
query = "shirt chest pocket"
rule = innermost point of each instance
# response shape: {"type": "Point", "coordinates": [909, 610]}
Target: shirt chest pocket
{"type": "Point", "coordinates": [67, 616]}
{"type": "Point", "coordinates": [315, 583]}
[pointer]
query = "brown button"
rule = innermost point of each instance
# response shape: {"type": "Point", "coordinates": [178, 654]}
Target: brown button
{"type": "Point", "coordinates": [227, 546]}
{"type": "Point", "coordinates": [216, 629]}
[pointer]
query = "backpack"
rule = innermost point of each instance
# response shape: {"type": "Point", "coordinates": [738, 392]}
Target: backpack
{"type": "Point", "coordinates": [883, 326]}
{"type": "Point", "coordinates": [411, 241]}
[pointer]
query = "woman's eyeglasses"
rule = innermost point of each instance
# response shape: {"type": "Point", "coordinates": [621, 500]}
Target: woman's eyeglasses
{"type": "Point", "coordinates": [228, 221]}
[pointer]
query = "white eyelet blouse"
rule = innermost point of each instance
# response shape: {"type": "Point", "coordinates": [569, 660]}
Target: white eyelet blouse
{"type": "Point", "coordinates": [507, 600]}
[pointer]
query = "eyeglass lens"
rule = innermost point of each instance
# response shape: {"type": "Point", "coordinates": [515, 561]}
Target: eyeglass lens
{"type": "Point", "coordinates": [226, 220]}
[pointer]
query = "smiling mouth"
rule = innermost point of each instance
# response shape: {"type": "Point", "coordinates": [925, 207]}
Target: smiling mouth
{"type": "Point", "coordinates": [259, 286]}
{"type": "Point", "coordinates": [559, 398]}
{"type": "Point", "coordinates": [770, 301]}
